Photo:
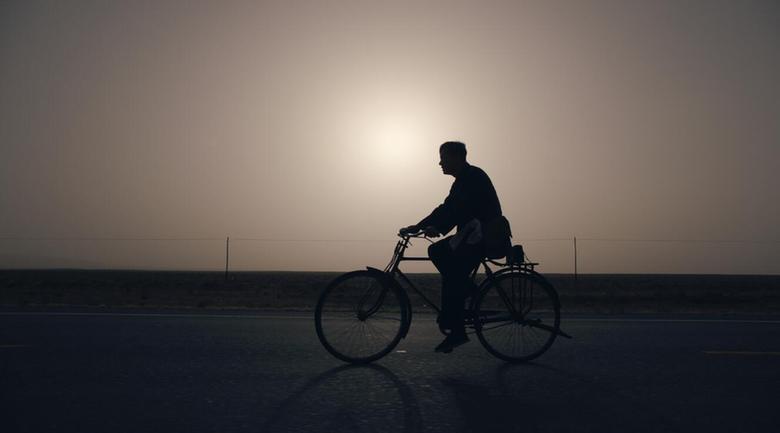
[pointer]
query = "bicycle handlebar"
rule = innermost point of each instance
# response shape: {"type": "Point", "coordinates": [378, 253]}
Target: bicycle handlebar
{"type": "Point", "coordinates": [419, 234]}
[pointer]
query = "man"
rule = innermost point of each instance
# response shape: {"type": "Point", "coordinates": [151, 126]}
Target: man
{"type": "Point", "coordinates": [472, 205]}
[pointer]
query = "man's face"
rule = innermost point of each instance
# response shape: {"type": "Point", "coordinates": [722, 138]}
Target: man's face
{"type": "Point", "coordinates": [448, 163]}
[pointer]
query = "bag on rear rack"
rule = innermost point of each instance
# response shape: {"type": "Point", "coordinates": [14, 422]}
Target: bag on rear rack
{"type": "Point", "coordinates": [516, 255]}
{"type": "Point", "coordinates": [497, 235]}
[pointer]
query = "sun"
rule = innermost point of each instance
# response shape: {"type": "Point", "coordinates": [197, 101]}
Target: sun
{"type": "Point", "coordinates": [393, 140]}
{"type": "Point", "coordinates": [389, 134]}
{"type": "Point", "coordinates": [390, 141]}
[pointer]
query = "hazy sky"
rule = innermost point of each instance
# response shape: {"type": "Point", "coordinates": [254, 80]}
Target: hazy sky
{"type": "Point", "coordinates": [297, 120]}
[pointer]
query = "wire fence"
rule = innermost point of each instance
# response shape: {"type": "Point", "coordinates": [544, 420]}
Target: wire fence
{"type": "Point", "coordinates": [574, 255]}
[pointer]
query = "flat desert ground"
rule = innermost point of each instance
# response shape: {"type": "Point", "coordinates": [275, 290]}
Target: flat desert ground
{"type": "Point", "coordinates": [600, 293]}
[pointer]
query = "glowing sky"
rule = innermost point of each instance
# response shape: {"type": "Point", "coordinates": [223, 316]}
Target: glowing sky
{"type": "Point", "coordinates": [297, 120]}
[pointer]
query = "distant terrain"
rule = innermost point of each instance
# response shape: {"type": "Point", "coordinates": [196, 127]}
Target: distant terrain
{"type": "Point", "coordinates": [605, 293]}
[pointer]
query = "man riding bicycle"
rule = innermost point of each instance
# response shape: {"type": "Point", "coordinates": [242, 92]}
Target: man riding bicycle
{"type": "Point", "coordinates": [472, 205]}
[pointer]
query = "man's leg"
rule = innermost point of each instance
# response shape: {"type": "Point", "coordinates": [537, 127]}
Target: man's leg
{"type": "Point", "coordinates": [455, 268]}
{"type": "Point", "coordinates": [443, 258]}
{"type": "Point", "coordinates": [466, 258]}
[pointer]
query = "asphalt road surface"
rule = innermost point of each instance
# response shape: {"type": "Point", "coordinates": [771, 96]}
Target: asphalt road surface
{"type": "Point", "coordinates": [248, 372]}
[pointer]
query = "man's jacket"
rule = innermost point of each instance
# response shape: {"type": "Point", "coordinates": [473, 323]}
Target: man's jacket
{"type": "Point", "coordinates": [471, 196]}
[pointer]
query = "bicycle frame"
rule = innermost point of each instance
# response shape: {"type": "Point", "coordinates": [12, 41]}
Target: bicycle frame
{"type": "Point", "coordinates": [392, 270]}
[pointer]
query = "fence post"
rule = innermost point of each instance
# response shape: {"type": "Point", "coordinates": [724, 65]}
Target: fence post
{"type": "Point", "coordinates": [227, 256]}
{"type": "Point", "coordinates": [575, 261]}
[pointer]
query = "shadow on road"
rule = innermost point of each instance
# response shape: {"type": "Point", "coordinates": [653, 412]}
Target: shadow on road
{"type": "Point", "coordinates": [523, 398]}
{"type": "Point", "coordinates": [348, 398]}
{"type": "Point", "coordinates": [527, 398]}
{"type": "Point", "coordinates": [498, 406]}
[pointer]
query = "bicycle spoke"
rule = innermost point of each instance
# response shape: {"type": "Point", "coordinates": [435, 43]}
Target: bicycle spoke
{"type": "Point", "coordinates": [502, 318]}
{"type": "Point", "coordinates": [394, 319]}
{"type": "Point", "coordinates": [497, 326]}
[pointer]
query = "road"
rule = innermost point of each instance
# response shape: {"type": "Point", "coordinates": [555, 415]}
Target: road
{"type": "Point", "coordinates": [248, 372]}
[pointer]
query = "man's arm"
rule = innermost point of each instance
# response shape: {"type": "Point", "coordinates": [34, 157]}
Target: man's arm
{"type": "Point", "coordinates": [441, 218]}
{"type": "Point", "coordinates": [436, 223]}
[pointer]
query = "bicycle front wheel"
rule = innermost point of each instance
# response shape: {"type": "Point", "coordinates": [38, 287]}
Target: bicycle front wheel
{"type": "Point", "coordinates": [517, 316]}
{"type": "Point", "coordinates": [359, 318]}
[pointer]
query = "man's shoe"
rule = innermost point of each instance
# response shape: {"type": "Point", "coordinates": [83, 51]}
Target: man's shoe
{"type": "Point", "coordinates": [452, 341]}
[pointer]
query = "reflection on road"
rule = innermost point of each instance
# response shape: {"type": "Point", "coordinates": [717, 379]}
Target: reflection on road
{"type": "Point", "coordinates": [350, 398]}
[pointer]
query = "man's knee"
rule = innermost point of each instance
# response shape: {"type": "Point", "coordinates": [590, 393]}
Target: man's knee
{"type": "Point", "coordinates": [439, 251]}
{"type": "Point", "coordinates": [434, 250]}
{"type": "Point", "coordinates": [436, 255]}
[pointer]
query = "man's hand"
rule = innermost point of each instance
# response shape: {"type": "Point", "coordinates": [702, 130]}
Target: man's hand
{"type": "Point", "coordinates": [432, 232]}
{"type": "Point", "coordinates": [409, 230]}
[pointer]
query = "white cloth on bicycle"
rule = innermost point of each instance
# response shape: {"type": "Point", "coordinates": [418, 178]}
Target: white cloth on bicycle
{"type": "Point", "coordinates": [471, 232]}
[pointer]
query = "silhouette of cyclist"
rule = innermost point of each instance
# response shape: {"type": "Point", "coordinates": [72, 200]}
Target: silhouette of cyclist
{"type": "Point", "coordinates": [472, 205]}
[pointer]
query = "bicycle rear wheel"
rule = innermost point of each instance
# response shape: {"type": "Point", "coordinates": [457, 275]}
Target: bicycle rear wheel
{"type": "Point", "coordinates": [359, 318]}
{"type": "Point", "coordinates": [517, 316]}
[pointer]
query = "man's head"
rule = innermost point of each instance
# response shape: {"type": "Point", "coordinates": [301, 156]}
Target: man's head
{"type": "Point", "coordinates": [452, 157]}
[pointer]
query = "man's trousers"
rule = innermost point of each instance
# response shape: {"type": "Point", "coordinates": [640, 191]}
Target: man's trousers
{"type": "Point", "coordinates": [455, 267]}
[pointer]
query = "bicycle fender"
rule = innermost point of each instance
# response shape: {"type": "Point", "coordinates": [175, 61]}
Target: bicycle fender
{"type": "Point", "coordinates": [390, 281]}
{"type": "Point", "coordinates": [382, 276]}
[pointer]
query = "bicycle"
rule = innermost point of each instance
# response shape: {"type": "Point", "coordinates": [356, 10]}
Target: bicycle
{"type": "Point", "coordinates": [515, 312]}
